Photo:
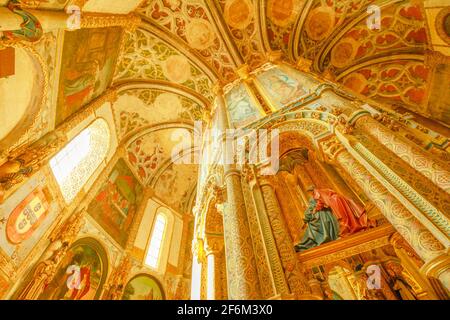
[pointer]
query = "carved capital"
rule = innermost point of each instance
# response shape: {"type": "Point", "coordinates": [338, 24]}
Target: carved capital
{"type": "Point", "coordinates": [243, 72]}
{"type": "Point", "coordinates": [331, 148]}
{"type": "Point", "coordinates": [213, 244]}
{"type": "Point", "coordinates": [249, 173]}
{"type": "Point", "coordinates": [303, 65]}
{"type": "Point", "coordinates": [218, 88]}
{"type": "Point", "coordinates": [198, 249]}
{"type": "Point", "coordinates": [218, 193]}
{"type": "Point", "coordinates": [266, 181]}
{"type": "Point", "coordinates": [274, 56]}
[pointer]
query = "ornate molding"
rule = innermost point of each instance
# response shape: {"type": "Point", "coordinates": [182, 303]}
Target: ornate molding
{"type": "Point", "coordinates": [94, 20]}
{"type": "Point", "coordinates": [347, 247]}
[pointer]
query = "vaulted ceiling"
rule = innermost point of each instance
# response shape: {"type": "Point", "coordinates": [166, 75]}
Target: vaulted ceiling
{"type": "Point", "coordinates": [168, 66]}
{"type": "Point", "coordinates": [183, 47]}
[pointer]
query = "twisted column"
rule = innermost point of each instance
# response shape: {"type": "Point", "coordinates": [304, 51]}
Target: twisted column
{"type": "Point", "coordinates": [418, 159]}
{"type": "Point", "coordinates": [271, 273]}
{"type": "Point", "coordinates": [242, 273]}
{"type": "Point", "coordinates": [415, 233]}
{"type": "Point", "coordinates": [293, 272]}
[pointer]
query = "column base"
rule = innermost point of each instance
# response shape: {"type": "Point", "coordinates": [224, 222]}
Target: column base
{"type": "Point", "coordinates": [439, 268]}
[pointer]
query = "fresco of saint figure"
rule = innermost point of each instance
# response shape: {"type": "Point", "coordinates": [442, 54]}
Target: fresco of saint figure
{"type": "Point", "coordinates": [115, 205]}
{"type": "Point", "coordinates": [87, 69]}
{"type": "Point", "coordinates": [80, 276]}
{"type": "Point", "coordinates": [281, 88]}
{"type": "Point", "coordinates": [240, 107]}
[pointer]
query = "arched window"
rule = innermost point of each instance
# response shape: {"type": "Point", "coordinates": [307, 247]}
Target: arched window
{"type": "Point", "coordinates": [154, 251]}
{"type": "Point", "coordinates": [78, 160]}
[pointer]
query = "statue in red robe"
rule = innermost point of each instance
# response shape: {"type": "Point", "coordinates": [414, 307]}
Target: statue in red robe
{"type": "Point", "coordinates": [351, 217]}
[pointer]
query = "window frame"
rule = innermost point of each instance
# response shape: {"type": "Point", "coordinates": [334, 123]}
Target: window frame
{"type": "Point", "coordinates": [57, 159]}
{"type": "Point", "coordinates": [159, 213]}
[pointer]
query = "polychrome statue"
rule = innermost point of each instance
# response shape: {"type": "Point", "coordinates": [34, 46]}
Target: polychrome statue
{"type": "Point", "coordinates": [321, 226]}
{"type": "Point", "coordinates": [329, 217]}
{"type": "Point", "coordinates": [352, 217]}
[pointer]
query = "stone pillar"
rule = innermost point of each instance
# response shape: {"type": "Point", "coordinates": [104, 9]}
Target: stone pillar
{"type": "Point", "coordinates": [271, 274]}
{"type": "Point", "coordinates": [293, 272]}
{"type": "Point", "coordinates": [418, 159]}
{"type": "Point", "coordinates": [118, 280]}
{"type": "Point", "coordinates": [415, 233]}
{"type": "Point", "coordinates": [213, 250]}
{"type": "Point", "coordinates": [242, 274]}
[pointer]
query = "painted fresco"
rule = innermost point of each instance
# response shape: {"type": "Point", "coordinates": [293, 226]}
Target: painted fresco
{"type": "Point", "coordinates": [281, 88]}
{"type": "Point", "coordinates": [143, 287]}
{"type": "Point", "coordinates": [81, 274]}
{"type": "Point", "coordinates": [90, 56]}
{"type": "Point", "coordinates": [241, 108]}
{"type": "Point", "coordinates": [25, 217]}
{"type": "Point", "coordinates": [115, 205]}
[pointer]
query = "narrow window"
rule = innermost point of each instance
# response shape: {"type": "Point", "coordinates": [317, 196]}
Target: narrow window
{"type": "Point", "coordinates": [154, 251]}
{"type": "Point", "coordinates": [78, 160]}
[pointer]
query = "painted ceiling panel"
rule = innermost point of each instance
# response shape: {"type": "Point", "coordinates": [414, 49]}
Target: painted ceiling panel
{"type": "Point", "coordinates": [191, 22]}
{"type": "Point", "coordinates": [146, 57]}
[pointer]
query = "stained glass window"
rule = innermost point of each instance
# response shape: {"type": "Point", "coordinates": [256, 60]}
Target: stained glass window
{"type": "Point", "coordinates": [154, 251]}
{"type": "Point", "coordinates": [78, 160]}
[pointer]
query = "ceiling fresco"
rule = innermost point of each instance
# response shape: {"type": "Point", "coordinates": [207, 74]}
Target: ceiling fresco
{"type": "Point", "coordinates": [192, 23]}
{"type": "Point", "coordinates": [165, 69]}
{"type": "Point", "coordinates": [145, 56]}
{"type": "Point", "coordinates": [152, 158]}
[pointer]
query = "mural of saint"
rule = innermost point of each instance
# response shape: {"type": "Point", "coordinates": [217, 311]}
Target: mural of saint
{"type": "Point", "coordinates": [87, 69]}
{"type": "Point", "coordinates": [81, 274]}
{"type": "Point", "coordinates": [115, 205]}
{"type": "Point", "coordinates": [143, 287]}
{"type": "Point", "coordinates": [241, 109]}
{"type": "Point", "coordinates": [329, 217]}
{"type": "Point", "coordinates": [281, 87]}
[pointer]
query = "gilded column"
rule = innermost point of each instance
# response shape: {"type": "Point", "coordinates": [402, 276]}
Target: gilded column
{"type": "Point", "coordinates": [415, 233]}
{"type": "Point", "coordinates": [242, 274]}
{"type": "Point", "coordinates": [423, 162]}
{"type": "Point", "coordinates": [270, 270]}
{"type": "Point", "coordinates": [292, 268]}
{"type": "Point", "coordinates": [213, 251]}
{"type": "Point", "coordinates": [118, 280]}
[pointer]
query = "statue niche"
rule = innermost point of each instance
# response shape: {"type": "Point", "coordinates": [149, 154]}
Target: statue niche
{"type": "Point", "coordinates": [326, 214]}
